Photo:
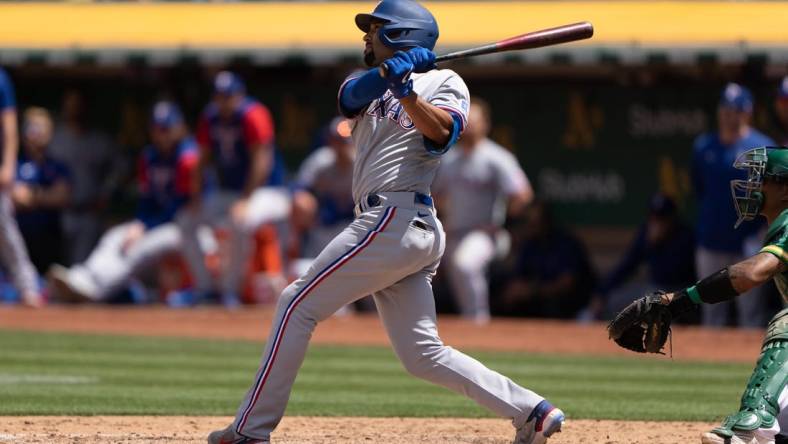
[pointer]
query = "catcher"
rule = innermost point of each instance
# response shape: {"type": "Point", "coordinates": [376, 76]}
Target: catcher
{"type": "Point", "coordinates": [644, 325]}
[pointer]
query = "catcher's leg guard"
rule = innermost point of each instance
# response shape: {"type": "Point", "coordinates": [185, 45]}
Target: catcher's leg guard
{"type": "Point", "coordinates": [760, 402]}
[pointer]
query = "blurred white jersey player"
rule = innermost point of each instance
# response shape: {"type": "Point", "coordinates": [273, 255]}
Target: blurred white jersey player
{"type": "Point", "coordinates": [164, 174]}
{"type": "Point", "coordinates": [477, 184]}
{"type": "Point", "coordinates": [328, 175]}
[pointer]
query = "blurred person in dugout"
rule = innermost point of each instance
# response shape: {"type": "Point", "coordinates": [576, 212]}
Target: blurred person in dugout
{"type": "Point", "coordinates": [325, 178]}
{"type": "Point", "coordinates": [665, 244]}
{"type": "Point", "coordinates": [41, 193]}
{"type": "Point", "coordinates": [781, 109]}
{"type": "Point", "coordinates": [96, 170]}
{"type": "Point", "coordinates": [327, 174]}
{"type": "Point", "coordinates": [549, 273]}
{"type": "Point", "coordinates": [478, 183]}
{"type": "Point", "coordinates": [235, 135]}
{"type": "Point", "coordinates": [13, 253]}
{"type": "Point", "coordinates": [718, 243]}
{"type": "Point", "coordinates": [164, 174]}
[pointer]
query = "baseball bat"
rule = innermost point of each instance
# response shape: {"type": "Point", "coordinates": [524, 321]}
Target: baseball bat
{"type": "Point", "coordinates": [530, 40]}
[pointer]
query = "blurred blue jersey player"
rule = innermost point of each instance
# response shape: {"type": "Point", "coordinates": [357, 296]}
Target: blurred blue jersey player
{"type": "Point", "coordinates": [42, 191]}
{"type": "Point", "coordinates": [712, 170]}
{"type": "Point", "coordinates": [13, 253]}
{"type": "Point", "coordinates": [165, 172]}
{"type": "Point", "coordinates": [236, 138]}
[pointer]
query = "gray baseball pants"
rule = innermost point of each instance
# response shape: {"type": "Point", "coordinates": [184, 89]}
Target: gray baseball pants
{"type": "Point", "coordinates": [390, 251]}
{"type": "Point", "coordinates": [109, 266]}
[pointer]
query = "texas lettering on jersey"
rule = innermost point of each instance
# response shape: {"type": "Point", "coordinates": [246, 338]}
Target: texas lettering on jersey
{"type": "Point", "coordinates": [388, 106]}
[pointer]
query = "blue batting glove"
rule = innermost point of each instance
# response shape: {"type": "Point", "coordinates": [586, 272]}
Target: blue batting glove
{"type": "Point", "coordinates": [422, 58]}
{"type": "Point", "coordinates": [400, 90]}
{"type": "Point", "coordinates": [398, 73]}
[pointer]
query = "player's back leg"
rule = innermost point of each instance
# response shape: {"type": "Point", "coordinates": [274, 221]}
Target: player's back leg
{"type": "Point", "coordinates": [407, 310]}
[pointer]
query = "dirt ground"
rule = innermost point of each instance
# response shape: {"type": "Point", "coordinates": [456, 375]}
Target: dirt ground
{"type": "Point", "coordinates": [505, 335]}
{"type": "Point", "coordinates": [309, 430]}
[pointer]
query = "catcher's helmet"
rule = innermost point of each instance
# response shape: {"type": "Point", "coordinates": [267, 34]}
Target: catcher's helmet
{"type": "Point", "coordinates": [406, 24]}
{"type": "Point", "coordinates": [770, 163]}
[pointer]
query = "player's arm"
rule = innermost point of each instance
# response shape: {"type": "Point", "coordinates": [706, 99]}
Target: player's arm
{"type": "Point", "coordinates": [359, 91]}
{"type": "Point", "coordinates": [519, 200]}
{"type": "Point", "coordinates": [259, 134]}
{"type": "Point", "coordinates": [56, 196]}
{"type": "Point", "coordinates": [197, 172]}
{"type": "Point", "coordinates": [10, 143]}
{"type": "Point", "coordinates": [729, 282]}
{"type": "Point", "coordinates": [434, 123]}
{"type": "Point", "coordinates": [261, 164]}
{"type": "Point", "coordinates": [517, 187]}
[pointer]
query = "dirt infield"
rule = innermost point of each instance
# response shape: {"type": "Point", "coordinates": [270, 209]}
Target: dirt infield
{"type": "Point", "coordinates": [304, 430]}
{"type": "Point", "coordinates": [252, 324]}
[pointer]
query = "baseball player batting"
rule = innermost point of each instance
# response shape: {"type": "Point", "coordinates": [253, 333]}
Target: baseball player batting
{"type": "Point", "coordinates": [645, 324]}
{"type": "Point", "coordinates": [12, 247]}
{"type": "Point", "coordinates": [401, 125]}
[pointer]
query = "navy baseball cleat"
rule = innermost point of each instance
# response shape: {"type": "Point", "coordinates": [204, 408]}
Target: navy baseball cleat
{"type": "Point", "coordinates": [545, 419]}
{"type": "Point", "coordinates": [228, 436]}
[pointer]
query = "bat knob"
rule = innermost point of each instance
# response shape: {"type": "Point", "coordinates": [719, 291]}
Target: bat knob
{"type": "Point", "coordinates": [383, 70]}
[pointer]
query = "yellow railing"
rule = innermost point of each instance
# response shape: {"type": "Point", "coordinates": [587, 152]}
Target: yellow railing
{"type": "Point", "coordinates": [316, 25]}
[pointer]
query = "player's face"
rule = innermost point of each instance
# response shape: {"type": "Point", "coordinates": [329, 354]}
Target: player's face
{"type": "Point", "coordinates": [165, 139]}
{"type": "Point", "coordinates": [38, 134]}
{"type": "Point", "coordinates": [775, 197]}
{"type": "Point", "coordinates": [731, 119]}
{"type": "Point", "coordinates": [375, 52]}
{"type": "Point", "coordinates": [227, 104]}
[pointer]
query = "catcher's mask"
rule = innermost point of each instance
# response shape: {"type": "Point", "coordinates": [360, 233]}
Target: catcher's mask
{"type": "Point", "coordinates": [748, 194]}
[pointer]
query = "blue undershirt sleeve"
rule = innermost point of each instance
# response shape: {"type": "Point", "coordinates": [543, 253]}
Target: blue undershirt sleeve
{"type": "Point", "coordinates": [456, 129]}
{"type": "Point", "coordinates": [358, 92]}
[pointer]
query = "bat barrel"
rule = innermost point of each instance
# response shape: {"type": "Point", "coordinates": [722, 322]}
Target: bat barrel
{"type": "Point", "coordinates": [531, 40]}
{"type": "Point", "coordinates": [547, 37]}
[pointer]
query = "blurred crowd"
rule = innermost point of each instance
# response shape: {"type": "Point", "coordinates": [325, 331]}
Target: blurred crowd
{"type": "Point", "coordinates": [219, 219]}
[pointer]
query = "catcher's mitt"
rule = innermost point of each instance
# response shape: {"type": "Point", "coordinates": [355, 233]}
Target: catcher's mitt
{"type": "Point", "coordinates": [643, 326]}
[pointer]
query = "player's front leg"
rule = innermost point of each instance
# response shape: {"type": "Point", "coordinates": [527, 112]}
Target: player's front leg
{"type": "Point", "coordinates": [356, 263]}
{"type": "Point", "coordinates": [765, 397]}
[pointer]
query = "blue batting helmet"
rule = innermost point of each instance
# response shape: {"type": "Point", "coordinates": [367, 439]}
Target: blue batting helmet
{"type": "Point", "coordinates": [166, 115]}
{"type": "Point", "coordinates": [228, 83]}
{"type": "Point", "coordinates": [736, 97]}
{"type": "Point", "coordinates": [406, 24]}
{"type": "Point", "coordinates": [782, 91]}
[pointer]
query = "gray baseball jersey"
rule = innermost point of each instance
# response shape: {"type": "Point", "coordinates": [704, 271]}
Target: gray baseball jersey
{"type": "Point", "coordinates": [318, 160]}
{"type": "Point", "coordinates": [391, 250]}
{"type": "Point", "coordinates": [476, 184]}
{"type": "Point", "coordinates": [391, 152]}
